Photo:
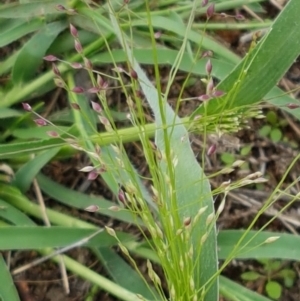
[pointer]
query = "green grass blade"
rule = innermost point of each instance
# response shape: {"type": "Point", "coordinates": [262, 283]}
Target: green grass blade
{"type": "Point", "coordinates": [119, 270]}
{"type": "Point", "coordinates": [8, 113]}
{"type": "Point", "coordinates": [19, 30]}
{"type": "Point", "coordinates": [29, 238]}
{"type": "Point", "coordinates": [12, 215]}
{"type": "Point", "coordinates": [26, 174]}
{"type": "Point", "coordinates": [81, 200]}
{"type": "Point", "coordinates": [262, 68]}
{"type": "Point", "coordinates": [29, 10]}
{"type": "Point", "coordinates": [286, 247]}
{"type": "Point", "coordinates": [236, 292]}
{"type": "Point", "coordinates": [8, 290]}
{"type": "Point", "coordinates": [31, 55]}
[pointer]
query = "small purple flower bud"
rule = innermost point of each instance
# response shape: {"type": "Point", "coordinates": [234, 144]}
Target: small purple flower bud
{"type": "Point", "coordinates": [157, 35]}
{"type": "Point", "coordinates": [102, 169]}
{"type": "Point", "coordinates": [77, 90]}
{"type": "Point", "coordinates": [207, 53]}
{"type": "Point", "coordinates": [92, 208]}
{"type": "Point", "coordinates": [52, 134]}
{"type": "Point", "coordinates": [93, 90]}
{"type": "Point", "coordinates": [293, 106]}
{"type": "Point", "coordinates": [240, 17]}
{"type": "Point", "coordinates": [210, 86]}
{"type": "Point", "coordinates": [212, 149]}
{"type": "Point", "coordinates": [139, 94]}
{"type": "Point", "coordinates": [187, 221]}
{"type": "Point", "coordinates": [75, 106]}
{"type": "Point", "coordinates": [121, 196]}
{"type": "Point", "coordinates": [104, 120]}
{"type": "Point", "coordinates": [76, 65]}
{"type": "Point", "coordinates": [40, 122]}
{"type": "Point", "coordinates": [223, 15]}
{"type": "Point", "coordinates": [71, 11]}
{"type": "Point", "coordinates": [92, 175]}
{"type": "Point", "coordinates": [204, 3]}
{"type": "Point", "coordinates": [87, 169]}
{"type": "Point", "coordinates": [78, 46]}
{"type": "Point", "coordinates": [208, 67]}
{"type": "Point", "coordinates": [96, 107]}
{"type": "Point", "coordinates": [204, 97]}
{"type": "Point", "coordinates": [26, 106]}
{"type": "Point", "coordinates": [210, 11]}
{"type": "Point", "coordinates": [55, 70]}
{"type": "Point", "coordinates": [50, 58]}
{"type": "Point", "coordinates": [119, 69]}
{"type": "Point", "coordinates": [133, 74]}
{"type": "Point", "coordinates": [114, 208]}
{"type": "Point", "coordinates": [88, 64]}
{"type": "Point", "coordinates": [59, 82]}
{"type": "Point", "coordinates": [73, 31]}
{"type": "Point", "coordinates": [60, 7]}
{"type": "Point", "coordinates": [218, 93]}
{"type": "Point", "coordinates": [97, 149]}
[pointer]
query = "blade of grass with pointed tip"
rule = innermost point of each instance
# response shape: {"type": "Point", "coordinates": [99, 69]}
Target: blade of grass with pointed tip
{"type": "Point", "coordinates": [82, 200]}
{"type": "Point", "coordinates": [192, 187]}
{"type": "Point", "coordinates": [119, 270]}
{"type": "Point", "coordinates": [8, 290]}
{"type": "Point", "coordinates": [31, 55]}
{"type": "Point", "coordinates": [33, 237]}
{"type": "Point", "coordinates": [285, 247]}
{"type": "Point", "coordinates": [19, 30]}
{"type": "Point", "coordinates": [236, 292]}
{"type": "Point", "coordinates": [12, 215]}
{"type": "Point", "coordinates": [264, 66]}
{"type": "Point", "coordinates": [26, 174]}
{"type": "Point", "coordinates": [29, 10]}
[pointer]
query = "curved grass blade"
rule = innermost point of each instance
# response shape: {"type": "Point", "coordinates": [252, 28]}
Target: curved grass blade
{"type": "Point", "coordinates": [19, 30]}
{"type": "Point", "coordinates": [285, 247]}
{"type": "Point", "coordinates": [26, 174]}
{"type": "Point", "coordinates": [29, 10]}
{"type": "Point", "coordinates": [13, 215]}
{"type": "Point", "coordinates": [119, 270]}
{"type": "Point", "coordinates": [236, 292]}
{"type": "Point", "coordinates": [264, 66]}
{"type": "Point", "coordinates": [81, 200]}
{"type": "Point", "coordinates": [8, 290]}
{"type": "Point", "coordinates": [31, 55]}
{"type": "Point", "coordinates": [33, 237]}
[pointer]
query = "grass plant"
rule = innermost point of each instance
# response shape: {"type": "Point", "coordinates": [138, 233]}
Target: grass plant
{"type": "Point", "coordinates": [173, 204]}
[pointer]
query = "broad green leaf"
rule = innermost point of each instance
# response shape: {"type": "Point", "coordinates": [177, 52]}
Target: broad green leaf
{"type": "Point", "coordinates": [26, 174]}
{"type": "Point", "coordinates": [31, 55]}
{"type": "Point", "coordinates": [191, 185]}
{"type": "Point", "coordinates": [28, 10]}
{"type": "Point", "coordinates": [119, 270]}
{"type": "Point", "coordinates": [79, 200]}
{"type": "Point", "coordinates": [273, 289]}
{"type": "Point", "coordinates": [286, 247]}
{"type": "Point", "coordinates": [29, 238]}
{"type": "Point", "coordinates": [250, 276]}
{"type": "Point", "coordinates": [8, 290]}
{"type": "Point", "coordinates": [236, 292]}
{"type": "Point", "coordinates": [256, 74]}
